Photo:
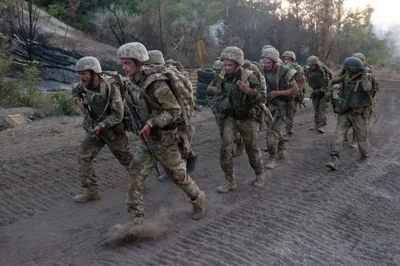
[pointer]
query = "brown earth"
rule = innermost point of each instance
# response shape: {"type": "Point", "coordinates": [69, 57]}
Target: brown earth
{"type": "Point", "coordinates": [305, 215]}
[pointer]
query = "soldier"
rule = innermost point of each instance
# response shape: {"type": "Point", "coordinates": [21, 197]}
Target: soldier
{"type": "Point", "coordinates": [289, 59]}
{"type": "Point", "coordinates": [367, 69]}
{"type": "Point", "coordinates": [318, 76]}
{"type": "Point", "coordinates": [162, 118]}
{"type": "Point", "coordinates": [239, 105]}
{"type": "Point", "coordinates": [353, 108]}
{"type": "Point", "coordinates": [281, 89]}
{"type": "Point", "coordinates": [104, 112]}
{"type": "Point", "coordinates": [268, 46]}
{"type": "Point", "coordinates": [238, 147]}
{"type": "Point", "coordinates": [156, 58]}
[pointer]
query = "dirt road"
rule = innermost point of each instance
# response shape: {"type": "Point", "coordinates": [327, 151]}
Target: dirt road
{"type": "Point", "coordinates": [305, 215]}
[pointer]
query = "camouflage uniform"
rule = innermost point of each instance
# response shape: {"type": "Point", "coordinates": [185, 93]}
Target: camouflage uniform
{"type": "Point", "coordinates": [112, 131]}
{"type": "Point", "coordinates": [162, 112]}
{"type": "Point", "coordinates": [318, 80]}
{"type": "Point", "coordinates": [156, 58]}
{"type": "Point", "coordinates": [342, 72]}
{"type": "Point", "coordinates": [277, 79]}
{"type": "Point", "coordinates": [292, 105]}
{"type": "Point", "coordinates": [213, 86]}
{"type": "Point", "coordinates": [240, 113]}
{"type": "Point", "coordinates": [356, 92]}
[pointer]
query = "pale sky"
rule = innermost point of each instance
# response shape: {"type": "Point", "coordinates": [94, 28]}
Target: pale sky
{"type": "Point", "coordinates": [386, 11]}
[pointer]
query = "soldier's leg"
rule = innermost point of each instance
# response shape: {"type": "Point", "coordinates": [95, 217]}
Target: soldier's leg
{"type": "Point", "coordinates": [321, 119]}
{"type": "Point", "coordinates": [120, 148]}
{"type": "Point", "coordinates": [315, 103]}
{"type": "Point", "coordinates": [226, 154]}
{"type": "Point", "coordinates": [168, 154]}
{"type": "Point", "coordinates": [238, 145]}
{"type": "Point", "coordinates": [361, 129]}
{"type": "Point", "coordinates": [275, 141]}
{"type": "Point", "coordinates": [88, 150]}
{"type": "Point", "coordinates": [250, 130]}
{"type": "Point", "coordinates": [289, 119]}
{"type": "Point", "coordinates": [343, 124]}
{"type": "Point", "coordinates": [140, 168]}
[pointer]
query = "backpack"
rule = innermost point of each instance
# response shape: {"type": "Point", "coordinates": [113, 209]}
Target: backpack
{"type": "Point", "coordinates": [180, 86]}
{"type": "Point", "coordinates": [110, 77]}
{"type": "Point", "coordinates": [257, 70]}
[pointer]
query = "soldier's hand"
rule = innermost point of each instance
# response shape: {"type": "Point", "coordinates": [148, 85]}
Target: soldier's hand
{"type": "Point", "coordinates": [145, 132]}
{"type": "Point", "coordinates": [96, 130]}
{"type": "Point", "coordinates": [212, 88]}
{"type": "Point", "coordinates": [80, 105]}
{"type": "Point", "coordinates": [327, 96]}
{"type": "Point", "coordinates": [272, 95]}
{"type": "Point", "coordinates": [244, 87]}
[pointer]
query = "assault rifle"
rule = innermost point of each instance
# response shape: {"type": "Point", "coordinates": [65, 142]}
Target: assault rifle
{"type": "Point", "coordinates": [137, 117]}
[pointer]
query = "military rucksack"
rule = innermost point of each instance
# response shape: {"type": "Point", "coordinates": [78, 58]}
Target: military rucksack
{"type": "Point", "coordinates": [257, 70]}
{"type": "Point", "coordinates": [180, 86]}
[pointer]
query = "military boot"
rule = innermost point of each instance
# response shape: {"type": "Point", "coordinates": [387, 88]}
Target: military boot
{"type": "Point", "coordinates": [364, 160]}
{"type": "Point", "coordinates": [281, 155]}
{"type": "Point", "coordinates": [191, 163]}
{"type": "Point", "coordinates": [321, 129]}
{"type": "Point", "coordinates": [198, 206]}
{"type": "Point", "coordinates": [259, 182]}
{"type": "Point", "coordinates": [229, 185]}
{"type": "Point", "coordinates": [271, 162]}
{"type": "Point", "coordinates": [91, 193]}
{"type": "Point", "coordinates": [354, 144]}
{"type": "Point", "coordinates": [289, 137]}
{"type": "Point", "coordinates": [333, 163]}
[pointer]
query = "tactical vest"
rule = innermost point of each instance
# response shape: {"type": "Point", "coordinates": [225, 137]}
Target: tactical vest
{"type": "Point", "coordinates": [276, 80]}
{"type": "Point", "coordinates": [317, 78]}
{"type": "Point", "coordinates": [356, 96]}
{"type": "Point", "coordinates": [242, 108]}
{"type": "Point", "coordinates": [97, 101]}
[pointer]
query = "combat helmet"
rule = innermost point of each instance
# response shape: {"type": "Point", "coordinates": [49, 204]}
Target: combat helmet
{"type": "Point", "coordinates": [290, 54]}
{"type": "Point", "coordinates": [133, 50]}
{"type": "Point", "coordinates": [359, 56]}
{"type": "Point", "coordinates": [233, 53]}
{"type": "Point", "coordinates": [88, 63]}
{"type": "Point", "coordinates": [312, 60]}
{"type": "Point", "coordinates": [271, 53]}
{"type": "Point", "coordinates": [155, 57]}
{"type": "Point", "coordinates": [218, 65]}
{"type": "Point", "coordinates": [353, 63]}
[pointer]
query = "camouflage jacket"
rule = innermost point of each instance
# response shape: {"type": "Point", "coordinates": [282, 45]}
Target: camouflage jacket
{"type": "Point", "coordinates": [157, 104]}
{"type": "Point", "coordinates": [299, 77]}
{"type": "Point", "coordinates": [115, 107]}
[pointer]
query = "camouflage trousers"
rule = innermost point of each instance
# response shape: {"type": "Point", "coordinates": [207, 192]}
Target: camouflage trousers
{"type": "Point", "coordinates": [166, 150]}
{"type": "Point", "coordinates": [275, 140]}
{"type": "Point", "coordinates": [249, 129]}
{"type": "Point", "coordinates": [359, 120]}
{"type": "Point", "coordinates": [185, 141]}
{"type": "Point", "coordinates": [90, 148]}
{"type": "Point", "coordinates": [291, 110]}
{"type": "Point", "coordinates": [238, 140]}
{"type": "Point", "coordinates": [320, 106]}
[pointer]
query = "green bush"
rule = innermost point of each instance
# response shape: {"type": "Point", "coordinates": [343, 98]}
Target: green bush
{"type": "Point", "coordinates": [62, 103]}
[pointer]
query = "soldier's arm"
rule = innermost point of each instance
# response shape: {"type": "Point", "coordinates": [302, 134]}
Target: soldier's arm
{"type": "Point", "coordinates": [168, 102]}
{"type": "Point", "coordinates": [328, 71]}
{"type": "Point", "coordinates": [116, 107]}
{"type": "Point", "coordinates": [366, 82]}
{"type": "Point", "coordinates": [258, 93]}
{"type": "Point", "coordinates": [333, 82]}
{"type": "Point", "coordinates": [77, 92]}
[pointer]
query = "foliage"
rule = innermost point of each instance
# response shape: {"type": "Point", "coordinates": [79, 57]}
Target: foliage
{"type": "Point", "coordinates": [62, 104]}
